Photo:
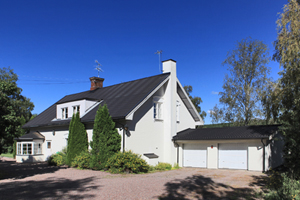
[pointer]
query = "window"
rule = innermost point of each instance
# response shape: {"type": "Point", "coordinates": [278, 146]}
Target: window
{"type": "Point", "coordinates": [157, 108]}
{"type": "Point", "coordinates": [177, 111]}
{"type": "Point", "coordinates": [29, 148]}
{"type": "Point", "coordinates": [48, 145]}
{"type": "Point", "coordinates": [76, 109]}
{"type": "Point", "coordinates": [64, 112]}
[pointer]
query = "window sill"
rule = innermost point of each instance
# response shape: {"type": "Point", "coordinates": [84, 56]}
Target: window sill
{"type": "Point", "coordinates": [158, 120]}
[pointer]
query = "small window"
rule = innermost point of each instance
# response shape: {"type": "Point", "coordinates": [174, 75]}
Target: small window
{"type": "Point", "coordinates": [48, 145]}
{"type": "Point", "coordinates": [64, 112]}
{"type": "Point", "coordinates": [177, 111]}
{"type": "Point", "coordinates": [76, 109]}
{"type": "Point", "coordinates": [19, 148]}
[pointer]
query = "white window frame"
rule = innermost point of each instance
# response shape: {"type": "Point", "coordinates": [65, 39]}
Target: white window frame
{"type": "Point", "coordinates": [158, 108]}
{"type": "Point", "coordinates": [177, 111]}
{"type": "Point", "coordinates": [76, 109]}
{"type": "Point", "coordinates": [36, 148]}
{"type": "Point", "coordinates": [64, 113]}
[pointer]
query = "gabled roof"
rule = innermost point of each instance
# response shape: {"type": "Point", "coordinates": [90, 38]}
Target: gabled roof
{"type": "Point", "coordinates": [226, 133]}
{"type": "Point", "coordinates": [121, 99]}
{"type": "Point", "coordinates": [31, 136]}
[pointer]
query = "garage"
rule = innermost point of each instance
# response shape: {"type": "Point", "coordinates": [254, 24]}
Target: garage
{"type": "Point", "coordinates": [194, 155]}
{"type": "Point", "coordinates": [233, 156]}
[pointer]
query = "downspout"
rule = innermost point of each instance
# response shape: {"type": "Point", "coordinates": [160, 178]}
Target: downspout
{"type": "Point", "coordinates": [125, 128]}
{"type": "Point", "coordinates": [264, 156]}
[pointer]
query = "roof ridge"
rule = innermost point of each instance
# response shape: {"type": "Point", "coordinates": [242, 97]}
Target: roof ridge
{"type": "Point", "coordinates": [113, 85]}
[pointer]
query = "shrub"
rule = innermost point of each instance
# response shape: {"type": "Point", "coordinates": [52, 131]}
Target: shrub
{"type": "Point", "coordinates": [77, 141]}
{"type": "Point", "coordinates": [58, 159]}
{"type": "Point", "coordinates": [106, 140]}
{"type": "Point", "coordinates": [126, 162]}
{"type": "Point", "coordinates": [14, 149]}
{"type": "Point", "coordinates": [163, 166]}
{"type": "Point", "coordinates": [284, 189]}
{"type": "Point", "coordinates": [82, 161]}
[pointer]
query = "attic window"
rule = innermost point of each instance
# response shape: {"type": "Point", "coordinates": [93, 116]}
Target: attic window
{"type": "Point", "coordinates": [64, 113]}
{"type": "Point", "coordinates": [157, 108]}
{"type": "Point", "coordinates": [76, 109]}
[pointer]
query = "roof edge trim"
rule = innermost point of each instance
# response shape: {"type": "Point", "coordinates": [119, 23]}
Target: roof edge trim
{"type": "Point", "coordinates": [130, 115]}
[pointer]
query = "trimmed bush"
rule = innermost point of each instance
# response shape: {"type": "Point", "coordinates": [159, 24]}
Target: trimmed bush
{"type": "Point", "coordinates": [14, 149]}
{"type": "Point", "coordinates": [58, 159]}
{"type": "Point", "coordinates": [106, 139]}
{"type": "Point", "coordinates": [77, 141]}
{"type": "Point", "coordinates": [163, 166]}
{"type": "Point", "coordinates": [82, 161]}
{"type": "Point", "coordinates": [127, 162]}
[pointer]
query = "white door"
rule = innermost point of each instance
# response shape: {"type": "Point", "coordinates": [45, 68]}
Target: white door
{"type": "Point", "coordinates": [233, 156]}
{"type": "Point", "coordinates": [194, 155]}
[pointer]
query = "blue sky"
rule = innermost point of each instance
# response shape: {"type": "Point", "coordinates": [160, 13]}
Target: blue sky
{"type": "Point", "coordinates": [53, 45]}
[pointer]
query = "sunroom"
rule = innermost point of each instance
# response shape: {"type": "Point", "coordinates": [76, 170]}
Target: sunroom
{"type": "Point", "coordinates": [29, 147]}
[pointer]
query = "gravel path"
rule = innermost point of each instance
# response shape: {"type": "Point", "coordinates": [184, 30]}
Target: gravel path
{"type": "Point", "coordinates": [39, 181]}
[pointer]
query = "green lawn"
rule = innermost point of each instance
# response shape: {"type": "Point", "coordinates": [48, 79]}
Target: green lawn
{"type": "Point", "coordinates": [9, 155]}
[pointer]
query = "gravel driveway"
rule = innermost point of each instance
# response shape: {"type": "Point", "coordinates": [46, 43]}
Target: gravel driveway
{"type": "Point", "coordinates": [39, 181]}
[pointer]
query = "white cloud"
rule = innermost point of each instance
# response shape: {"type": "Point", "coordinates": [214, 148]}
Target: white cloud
{"type": "Point", "coordinates": [213, 92]}
{"type": "Point", "coordinates": [210, 111]}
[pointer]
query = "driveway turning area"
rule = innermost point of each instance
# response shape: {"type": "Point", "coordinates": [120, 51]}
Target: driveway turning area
{"type": "Point", "coordinates": [40, 181]}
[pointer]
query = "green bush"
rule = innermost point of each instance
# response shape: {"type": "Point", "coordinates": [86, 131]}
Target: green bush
{"type": "Point", "coordinates": [14, 149]}
{"type": "Point", "coordinates": [176, 166]}
{"type": "Point", "coordinates": [163, 166]}
{"type": "Point", "coordinates": [126, 162]}
{"type": "Point", "coordinates": [284, 188]}
{"type": "Point", "coordinates": [58, 159]}
{"type": "Point", "coordinates": [82, 161]}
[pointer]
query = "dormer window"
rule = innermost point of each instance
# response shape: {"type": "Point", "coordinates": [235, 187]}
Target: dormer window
{"type": "Point", "coordinates": [64, 112]}
{"type": "Point", "coordinates": [76, 109]}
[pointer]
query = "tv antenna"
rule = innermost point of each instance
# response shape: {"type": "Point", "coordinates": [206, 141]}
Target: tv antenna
{"type": "Point", "coordinates": [98, 67]}
{"type": "Point", "coordinates": [159, 60]}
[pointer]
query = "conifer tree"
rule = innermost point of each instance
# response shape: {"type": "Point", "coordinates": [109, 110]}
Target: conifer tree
{"type": "Point", "coordinates": [106, 139]}
{"type": "Point", "coordinates": [77, 141]}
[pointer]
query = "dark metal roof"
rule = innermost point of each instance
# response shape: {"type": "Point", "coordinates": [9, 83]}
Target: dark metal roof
{"type": "Point", "coordinates": [31, 136]}
{"type": "Point", "coordinates": [121, 99]}
{"type": "Point", "coordinates": [224, 133]}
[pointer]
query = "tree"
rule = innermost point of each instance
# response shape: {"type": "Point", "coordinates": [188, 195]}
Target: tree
{"type": "Point", "coordinates": [13, 108]}
{"type": "Point", "coordinates": [195, 100]}
{"type": "Point", "coordinates": [77, 140]}
{"type": "Point", "coordinates": [287, 53]}
{"type": "Point", "coordinates": [106, 139]}
{"type": "Point", "coordinates": [244, 86]}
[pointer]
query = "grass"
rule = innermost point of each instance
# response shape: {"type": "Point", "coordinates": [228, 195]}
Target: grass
{"type": "Point", "coordinates": [8, 155]}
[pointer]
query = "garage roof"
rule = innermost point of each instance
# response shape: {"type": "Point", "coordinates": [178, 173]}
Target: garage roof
{"type": "Point", "coordinates": [242, 132]}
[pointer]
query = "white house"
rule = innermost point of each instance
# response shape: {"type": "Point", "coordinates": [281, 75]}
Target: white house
{"type": "Point", "coordinates": [154, 116]}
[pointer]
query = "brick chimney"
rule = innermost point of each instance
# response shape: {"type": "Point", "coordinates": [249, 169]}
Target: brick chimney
{"type": "Point", "coordinates": [96, 82]}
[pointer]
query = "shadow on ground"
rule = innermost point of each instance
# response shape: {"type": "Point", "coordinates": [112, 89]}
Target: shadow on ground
{"type": "Point", "coordinates": [13, 170]}
{"type": "Point", "coordinates": [200, 187]}
{"type": "Point", "coordinates": [47, 189]}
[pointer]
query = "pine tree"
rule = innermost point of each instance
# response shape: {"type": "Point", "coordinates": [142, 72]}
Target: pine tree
{"type": "Point", "coordinates": [106, 139]}
{"type": "Point", "coordinates": [77, 141]}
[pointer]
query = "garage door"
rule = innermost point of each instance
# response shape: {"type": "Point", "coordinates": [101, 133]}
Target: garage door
{"type": "Point", "coordinates": [194, 155]}
{"type": "Point", "coordinates": [233, 156]}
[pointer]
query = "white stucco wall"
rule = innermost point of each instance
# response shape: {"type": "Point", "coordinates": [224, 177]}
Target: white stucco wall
{"type": "Point", "coordinates": [84, 105]}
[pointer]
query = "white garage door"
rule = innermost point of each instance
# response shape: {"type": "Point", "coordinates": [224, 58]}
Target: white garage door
{"type": "Point", "coordinates": [233, 156]}
{"type": "Point", "coordinates": [194, 155]}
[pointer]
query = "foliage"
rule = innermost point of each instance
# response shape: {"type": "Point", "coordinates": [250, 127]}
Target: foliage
{"type": "Point", "coordinates": [163, 166]}
{"type": "Point", "coordinates": [127, 162]}
{"type": "Point", "coordinates": [59, 158]}
{"type": "Point", "coordinates": [106, 139]}
{"type": "Point", "coordinates": [77, 138]}
{"type": "Point", "coordinates": [13, 107]}
{"type": "Point", "coordinates": [287, 48]}
{"type": "Point", "coordinates": [82, 160]}
{"type": "Point", "coordinates": [176, 166]}
{"type": "Point", "coordinates": [195, 100]}
{"type": "Point", "coordinates": [244, 86]}
{"type": "Point", "coordinates": [283, 188]}
{"type": "Point", "coordinates": [14, 149]}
